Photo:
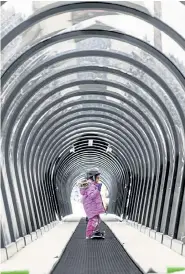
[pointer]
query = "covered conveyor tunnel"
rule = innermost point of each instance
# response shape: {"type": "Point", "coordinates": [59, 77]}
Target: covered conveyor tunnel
{"type": "Point", "coordinates": [92, 84]}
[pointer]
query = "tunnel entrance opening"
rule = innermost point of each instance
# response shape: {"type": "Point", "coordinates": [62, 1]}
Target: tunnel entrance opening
{"type": "Point", "coordinates": [76, 200]}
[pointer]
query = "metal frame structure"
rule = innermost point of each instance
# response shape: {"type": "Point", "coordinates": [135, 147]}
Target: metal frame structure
{"type": "Point", "coordinates": [146, 167]}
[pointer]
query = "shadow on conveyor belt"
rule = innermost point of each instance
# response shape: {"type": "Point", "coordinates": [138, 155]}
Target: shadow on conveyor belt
{"type": "Point", "coordinates": [83, 256]}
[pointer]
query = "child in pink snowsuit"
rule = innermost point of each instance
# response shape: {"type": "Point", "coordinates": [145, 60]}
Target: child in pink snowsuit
{"type": "Point", "coordinates": [93, 205]}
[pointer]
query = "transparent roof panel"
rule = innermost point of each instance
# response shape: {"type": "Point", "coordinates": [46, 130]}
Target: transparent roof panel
{"type": "Point", "coordinates": [88, 76]}
{"type": "Point", "coordinates": [94, 44]}
{"type": "Point", "coordinates": [163, 10]}
{"type": "Point", "coordinates": [85, 19]}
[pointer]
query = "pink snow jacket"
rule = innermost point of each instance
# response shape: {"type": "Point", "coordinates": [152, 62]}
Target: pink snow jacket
{"type": "Point", "coordinates": [92, 200]}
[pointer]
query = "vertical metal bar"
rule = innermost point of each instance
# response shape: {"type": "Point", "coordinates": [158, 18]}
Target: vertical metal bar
{"type": "Point", "coordinates": [133, 196]}
{"type": "Point", "coordinates": [132, 178]}
{"type": "Point", "coordinates": [125, 212]}
{"type": "Point", "coordinates": [175, 202]}
{"type": "Point", "coordinates": [161, 199]}
{"type": "Point", "coordinates": [34, 198]}
{"type": "Point", "coordinates": [10, 211]}
{"type": "Point", "coordinates": [150, 201]}
{"type": "Point", "coordinates": [6, 236]}
{"type": "Point", "coordinates": [153, 208]}
{"type": "Point", "coordinates": [180, 224]}
{"type": "Point", "coordinates": [170, 194]}
{"type": "Point", "coordinates": [147, 190]}
{"type": "Point", "coordinates": [142, 198]}
{"type": "Point", "coordinates": [178, 230]}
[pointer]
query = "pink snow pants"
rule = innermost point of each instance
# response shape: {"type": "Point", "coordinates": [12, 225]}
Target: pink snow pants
{"type": "Point", "coordinates": [92, 226]}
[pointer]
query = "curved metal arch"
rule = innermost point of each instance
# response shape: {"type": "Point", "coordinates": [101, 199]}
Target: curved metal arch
{"type": "Point", "coordinates": [62, 161]}
{"type": "Point", "coordinates": [46, 136]}
{"type": "Point", "coordinates": [125, 138]}
{"type": "Point", "coordinates": [105, 54]}
{"type": "Point", "coordinates": [63, 144]}
{"type": "Point", "coordinates": [123, 75]}
{"type": "Point", "coordinates": [119, 167]}
{"type": "Point", "coordinates": [98, 33]}
{"type": "Point", "coordinates": [65, 140]}
{"type": "Point", "coordinates": [136, 81]}
{"type": "Point", "coordinates": [70, 138]}
{"type": "Point", "coordinates": [55, 130]}
{"type": "Point", "coordinates": [109, 94]}
{"type": "Point", "coordinates": [66, 144]}
{"type": "Point", "coordinates": [97, 154]}
{"type": "Point", "coordinates": [96, 82]}
{"type": "Point", "coordinates": [57, 119]}
{"type": "Point", "coordinates": [79, 134]}
{"type": "Point", "coordinates": [91, 5]}
{"type": "Point", "coordinates": [80, 159]}
{"type": "Point", "coordinates": [154, 173]}
{"type": "Point", "coordinates": [78, 170]}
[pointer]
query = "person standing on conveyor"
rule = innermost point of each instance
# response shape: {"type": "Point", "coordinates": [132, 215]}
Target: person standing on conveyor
{"type": "Point", "coordinates": [92, 202]}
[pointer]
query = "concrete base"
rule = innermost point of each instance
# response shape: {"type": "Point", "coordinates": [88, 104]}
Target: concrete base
{"type": "Point", "coordinates": [46, 228]}
{"type": "Point", "coordinates": [143, 228]}
{"type": "Point", "coordinates": [147, 231]}
{"type": "Point", "coordinates": [128, 223]}
{"type": "Point", "coordinates": [27, 239]}
{"type": "Point", "coordinates": [177, 246]}
{"type": "Point", "coordinates": [11, 249]}
{"type": "Point", "coordinates": [147, 253]}
{"type": "Point", "coordinates": [56, 222]}
{"type": "Point", "coordinates": [41, 256]}
{"type": "Point", "coordinates": [139, 227]}
{"type": "Point", "coordinates": [153, 234]}
{"type": "Point", "coordinates": [42, 230]}
{"type": "Point", "coordinates": [3, 255]}
{"type": "Point", "coordinates": [159, 237]}
{"type": "Point", "coordinates": [183, 250]}
{"type": "Point", "coordinates": [136, 225]}
{"type": "Point", "coordinates": [20, 243]}
{"type": "Point", "coordinates": [167, 241]}
{"type": "Point", "coordinates": [39, 234]}
{"type": "Point", "coordinates": [33, 236]}
{"type": "Point", "coordinates": [131, 223]}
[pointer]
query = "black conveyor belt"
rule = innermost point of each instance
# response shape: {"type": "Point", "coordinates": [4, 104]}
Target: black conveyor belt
{"type": "Point", "coordinates": [83, 256]}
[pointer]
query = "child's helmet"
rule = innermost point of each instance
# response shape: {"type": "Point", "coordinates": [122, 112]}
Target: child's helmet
{"type": "Point", "coordinates": [92, 173]}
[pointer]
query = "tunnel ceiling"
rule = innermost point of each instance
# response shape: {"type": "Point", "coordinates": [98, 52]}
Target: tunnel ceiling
{"type": "Point", "coordinates": [103, 88]}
